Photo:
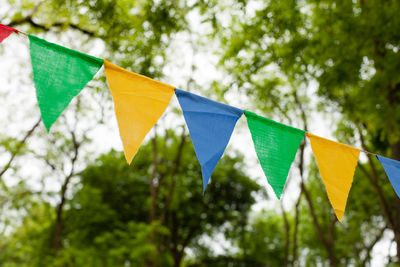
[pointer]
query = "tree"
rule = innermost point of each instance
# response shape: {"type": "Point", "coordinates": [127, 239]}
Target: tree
{"type": "Point", "coordinates": [136, 33]}
{"type": "Point", "coordinates": [349, 51]}
{"type": "Point", "coordinates": [107, 222]}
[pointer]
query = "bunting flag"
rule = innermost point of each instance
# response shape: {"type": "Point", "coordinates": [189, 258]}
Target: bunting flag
{"type": "Point", "coordinates": [5, 31]}
{"type": "Point", "coordinates": [337, 163]}
{"type": "Point", "coordinates": [139, 102]}
{"type": "Point", "coordinates": [210, 126]}
{"type": "Point", "coordinates": [392, 169]}
{"type": "Point", "coordinates": [59, 75]}
{"type": "Point", "coordinates": [276, 146]}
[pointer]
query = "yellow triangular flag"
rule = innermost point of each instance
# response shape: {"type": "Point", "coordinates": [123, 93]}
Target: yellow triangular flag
{"type": "Point", "coordinates": [138, 101]}
{"type": "Point", "coordinates": [337, 163]}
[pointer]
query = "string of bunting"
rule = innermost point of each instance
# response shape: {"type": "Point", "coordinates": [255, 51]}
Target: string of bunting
{"type": "Point", "coordinates": [59, 74]}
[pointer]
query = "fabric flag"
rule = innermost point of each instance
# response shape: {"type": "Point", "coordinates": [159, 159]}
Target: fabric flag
{"type": "Point", "coordinates": [59, 75]}
{"type": "Point", "coordinates": [5, 31]}
{"type": "Point", "coordinates": [276, 146]}
{"type": "Point", "coordinates": [337, 163]}
{"type": "Point", "coordinates": [139, 102]}
{"type": "Point", "coordinates": [210, 126]}
{"type": "Point", "coordinates": [392, 169]}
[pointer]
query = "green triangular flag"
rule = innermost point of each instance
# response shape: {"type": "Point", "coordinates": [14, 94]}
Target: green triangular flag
{"type": "Point", "coordinates": [276, 146]}
{"type": "Point", "coordinates": [59, 75]}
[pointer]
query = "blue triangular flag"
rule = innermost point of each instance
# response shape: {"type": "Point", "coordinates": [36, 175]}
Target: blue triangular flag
{"type": "Point", "coordinates": [392, 169]}
{"type": "Point", "coordinates": [210, 126]}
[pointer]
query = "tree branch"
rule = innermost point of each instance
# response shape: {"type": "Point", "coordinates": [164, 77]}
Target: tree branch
{"type": "Point", "coordinates": [371, 246]}
{"type": "Point", "coordinates": [176, 165]}
{"type": "Point", "coordinates": [29, 20]}
{"type": "Point", "coordinates": [19, 147]}
{"type": "Point", "coordinates": [374, 181]}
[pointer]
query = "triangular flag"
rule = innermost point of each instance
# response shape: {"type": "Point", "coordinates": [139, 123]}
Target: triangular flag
{"type": "Point", "coordinates": [139, 102]}
{"type": "Point", "coordinates": [276, 146]}
{"type": "Point", "coordinates": [337, 163]}
{"type": "Point", "coordinates": [59, 75]}
{"type": "Point", "coordinates": [5, 31]}
{"type": "Point", "coordinates": [210, 126]}
{"type": "Point", "coordinates": [392, 169]}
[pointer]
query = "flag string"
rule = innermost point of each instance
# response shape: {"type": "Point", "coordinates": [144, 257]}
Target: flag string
{"type": "Point", "coordinates": [362, 150]}
{"type": "Point", "coordinates": [24, 33]}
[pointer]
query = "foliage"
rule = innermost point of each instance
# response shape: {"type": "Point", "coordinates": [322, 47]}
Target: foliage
{"type": "Point", "coordinates": [348, 50]}
{"type": "Point", "coordinates": [285, 56]}
{"type": "Point", "coordinates": [106, 222]}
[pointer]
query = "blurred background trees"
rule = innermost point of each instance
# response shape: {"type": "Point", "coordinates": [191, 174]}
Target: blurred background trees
{"type": "Point", "coordinates": [331, 67]}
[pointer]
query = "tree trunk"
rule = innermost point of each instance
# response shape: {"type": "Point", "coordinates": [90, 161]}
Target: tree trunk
{"type": "Point", "coordinates": [59, 221]}
{"type": "Point", "coordinates": [152, 214]}
{"type": "Point", "coordinates": [396, 227]}
{"type": "Point", "coordinates": [58, 227]}
{"type": "Point", "coordinates": [327, 243]}
{"type": "Point", "coordinates": [57, 244]}
{"type": "Point", "coordinates": [287, 235]}
{"type": "Point", "coordinates": [178, 259]}
{"type": "Point", "coordinates": [321, 234]}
